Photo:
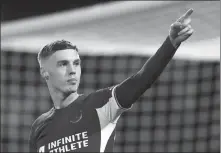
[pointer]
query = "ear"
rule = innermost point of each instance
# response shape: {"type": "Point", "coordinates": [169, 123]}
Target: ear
{"type": "Point", "coordinates": [44, 73]}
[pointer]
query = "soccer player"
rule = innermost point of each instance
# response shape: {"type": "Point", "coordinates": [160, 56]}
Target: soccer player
{"type": "Point", "coordinates": [86, 123]}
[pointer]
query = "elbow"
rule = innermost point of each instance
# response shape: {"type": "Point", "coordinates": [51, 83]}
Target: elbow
{"type": "Point", "coordinates": [148, 86]}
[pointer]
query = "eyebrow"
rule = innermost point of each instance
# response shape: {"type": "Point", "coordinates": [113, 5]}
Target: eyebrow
{"type": "Point", "coordinates": [76, 60]}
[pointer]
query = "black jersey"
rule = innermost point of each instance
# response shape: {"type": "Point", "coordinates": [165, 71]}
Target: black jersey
{"type": "Point", "coordinates": [86, 125]}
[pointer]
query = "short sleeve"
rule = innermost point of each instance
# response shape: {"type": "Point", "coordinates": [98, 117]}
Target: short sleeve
{"type": "Point", "coordinates": [110, 109]}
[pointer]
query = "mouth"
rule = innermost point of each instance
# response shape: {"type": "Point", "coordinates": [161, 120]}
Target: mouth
{"type": "Point", "coordinates": [72, 80]}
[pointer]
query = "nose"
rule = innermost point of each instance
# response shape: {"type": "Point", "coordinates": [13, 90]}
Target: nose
{"type": "Point", "coordinates": [72, 70]}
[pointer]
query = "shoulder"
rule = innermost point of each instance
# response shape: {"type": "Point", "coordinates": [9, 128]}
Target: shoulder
{"type": "Point", "coordinates": [34, 128]}
{"type": "Point", "coordinates": [104, 92]}
{"type": "Point", "coordinates": [99, 97]}
{"type": "Point", "coordinates": [41, 120]}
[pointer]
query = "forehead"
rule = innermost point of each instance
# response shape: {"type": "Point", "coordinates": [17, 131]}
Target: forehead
{"type": "Point", "coordinates": [67, 54]}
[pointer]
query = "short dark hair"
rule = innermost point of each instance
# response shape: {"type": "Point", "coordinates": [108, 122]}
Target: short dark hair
{"type": "Point", "coordinates": [54, 46]}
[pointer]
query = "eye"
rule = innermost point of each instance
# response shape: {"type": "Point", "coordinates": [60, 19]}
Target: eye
{"type": "Point", "coordinates": [77, 63]}
{"type": "Point", "coordinates": [62, 63]}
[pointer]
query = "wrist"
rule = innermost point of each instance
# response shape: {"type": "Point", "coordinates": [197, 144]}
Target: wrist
{"type": "Point", "coordinates": [174, 42]}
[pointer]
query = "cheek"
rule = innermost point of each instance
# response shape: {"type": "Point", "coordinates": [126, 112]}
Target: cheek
{"type": "Point", "coordinates": [79, 72]}
{"type": "Point", "coordinates": [57, 75]}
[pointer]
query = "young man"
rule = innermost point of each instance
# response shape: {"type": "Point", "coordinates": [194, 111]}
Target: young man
{"type": "Point", "coordinates": [86, 123]}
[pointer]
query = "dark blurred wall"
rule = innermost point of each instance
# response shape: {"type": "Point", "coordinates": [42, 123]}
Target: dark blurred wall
{"type": "Point", "coordinates": [13, 10]}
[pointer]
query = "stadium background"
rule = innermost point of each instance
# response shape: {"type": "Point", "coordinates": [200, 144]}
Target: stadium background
{"type": "Point", "coordinates": [180, 113]}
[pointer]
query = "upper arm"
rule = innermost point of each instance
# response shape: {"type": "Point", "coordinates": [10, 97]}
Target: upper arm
{"type": "Point", "coordinates": [32, 145]}
{"type": "Point", "coordinates": [36, 128]}
{"type": "Point", "coordinates": [128, 91]}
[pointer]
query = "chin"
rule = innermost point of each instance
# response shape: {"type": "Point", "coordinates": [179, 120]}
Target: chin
{"type": "Point", "coordinates": [69, 91]}
{"type": "Point", "coordinates": [72, 89]}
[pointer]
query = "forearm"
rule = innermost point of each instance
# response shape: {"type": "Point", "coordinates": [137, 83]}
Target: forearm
{"type": "Point", "coordinates": [132, 88]}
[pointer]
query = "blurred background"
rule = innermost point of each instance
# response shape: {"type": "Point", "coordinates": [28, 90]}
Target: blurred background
{"type": "Point", "coordinates": [180, 113]}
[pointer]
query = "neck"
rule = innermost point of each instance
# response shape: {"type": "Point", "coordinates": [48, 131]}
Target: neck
{"type": "Point", "coordinates": [61, 99]}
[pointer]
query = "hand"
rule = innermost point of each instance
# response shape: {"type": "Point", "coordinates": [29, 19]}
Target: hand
{"type": "Point", "coordinates": [181, 29]}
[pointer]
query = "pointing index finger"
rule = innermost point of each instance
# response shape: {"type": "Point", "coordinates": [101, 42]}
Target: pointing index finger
{"type": "Point", "coordinates": [185, 16]}
{"type": "Point", "coordinates": [188, 13]}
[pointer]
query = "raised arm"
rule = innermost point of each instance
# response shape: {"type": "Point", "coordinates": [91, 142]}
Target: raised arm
{"type": "Point", "coordinates": [132, 88]}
